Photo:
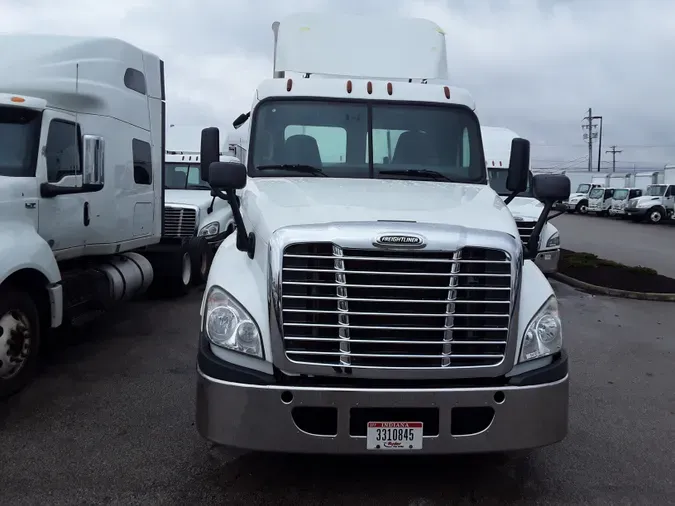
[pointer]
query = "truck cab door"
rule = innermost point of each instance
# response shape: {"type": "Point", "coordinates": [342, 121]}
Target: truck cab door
{"type": "Point", "coordinates": [62, 195]}
{"type": "Point", "coordinates": [669, 198]}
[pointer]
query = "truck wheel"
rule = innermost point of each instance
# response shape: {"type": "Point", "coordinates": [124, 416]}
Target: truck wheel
{"type": "Point", "coordinates": [655, 215]}
{"type": "Point", "coordinates": [582, 207]}
{"type": "Point", "coordinates": [202, 256]}
{"type": "Point", "coordinates": [172, 271]}
{"type": "Point", "coordinates": [19, 340]}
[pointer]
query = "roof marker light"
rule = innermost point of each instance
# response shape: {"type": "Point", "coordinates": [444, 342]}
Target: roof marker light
{"type": "Point", "coordinates": [289, 85]}
{"type": "Point", "coordinates": [500, 164]}
{"type": "Point", "coordinates": [369, 87]}
{"type": "Point", "coordinates": [493, 163]}
{"type": "Point", "coordinates": [349, 86]}
{"type": "Point", "coordinates": [447, 91]}
{"type": "Point", "coordinates": [17, 100]}
{"type": "Point", "coordinates": [390, 88]}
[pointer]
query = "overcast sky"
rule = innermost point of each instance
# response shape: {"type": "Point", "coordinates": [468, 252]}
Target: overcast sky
{"type": "Point", "coordinates": [532, 66]}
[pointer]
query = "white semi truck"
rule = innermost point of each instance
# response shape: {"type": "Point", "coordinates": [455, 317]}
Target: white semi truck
{"type": "Point", "coordinates": [81, 189]}
{"type": "Point", "coordinates": [191, 210]}
{"type": "Point", "coordinates": [525, 208]}
{"type": "Point", "coordinates": [657, 203]}
{"type": "Point", "coordinates": [368, 303]}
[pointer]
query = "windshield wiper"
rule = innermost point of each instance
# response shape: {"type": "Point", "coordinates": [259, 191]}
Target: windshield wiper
{"type": "Point", "coordinates": [297, 167]}
{"type": "Point", "coordinates": [429, 174]}
{"type": "Point", "coordinates": [198, 187]}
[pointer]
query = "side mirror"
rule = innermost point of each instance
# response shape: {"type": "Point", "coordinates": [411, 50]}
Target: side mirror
{"type": "Point", "coordinates": [241, 119]}
{"type": "Point", "coordinates": [209, 151]}
{"type": "Point", "coordinates": [93, 151]}
{"type": "Point", "coordinates": [551, 187]}
{"type": "Point", "coordinates": [227, 175]}
{"type": "Point", "coordinates": [519, 165]}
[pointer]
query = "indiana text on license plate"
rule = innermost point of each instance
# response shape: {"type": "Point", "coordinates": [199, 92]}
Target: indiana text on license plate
{"type": "Point", "coordinates": [394, 436]}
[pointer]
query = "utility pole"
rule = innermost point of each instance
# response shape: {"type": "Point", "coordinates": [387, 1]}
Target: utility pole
{"type": "Point", "coordinates": [590, 139]}
{"type": "Point", "coordinates": [587, 124]}
{"type": "Point", "coordinates": [614, 151]}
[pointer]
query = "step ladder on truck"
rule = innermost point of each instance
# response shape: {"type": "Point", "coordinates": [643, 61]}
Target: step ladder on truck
{"type": "Point", "coordinates": [81, 189]}
{"type": "Point", "coordinates": [370, 302]}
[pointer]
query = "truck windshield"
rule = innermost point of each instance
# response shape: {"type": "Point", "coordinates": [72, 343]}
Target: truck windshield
{"type": "Point", "coordinates": [498, 182]}
{"type": "Point", "coordinates": [183, 176]}
{"type": "Point", "coordinates": [583, 188]}
{"type": "Point", "coordinates": [19, 139]}
{"type": "Point", "coordinates": [596, 193]}
{"type": "Point", "coordinates": [656, 190]}
{"type": "Point", "coordinates": [620, 194]}
{"type": "Point", "coordinates": [418, 141]}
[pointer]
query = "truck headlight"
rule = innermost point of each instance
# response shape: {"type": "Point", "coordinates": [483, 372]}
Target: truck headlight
{"type": "Point", "coordinates": [210, 230]}
{"type": "Point", "coordinates": [553, 241]}
{"type": "Point", "coordinates": [228, 325]}
{"type": "Point", "coordinates": [543, 335]}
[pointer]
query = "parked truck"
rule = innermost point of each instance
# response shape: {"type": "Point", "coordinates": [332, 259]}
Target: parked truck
{"type": "Point", "coordinates": [368, 303]}
{"type": "Point", "coordinates": [191, 210]}
{"type": "Point", "coordinates": [657, 202]}
{"type": "Point", "coordinates": [525, 208]}
{"type": "Point", "coordinates": [81, 189]}
{"type": "Point", "coordinates": [582, 183]}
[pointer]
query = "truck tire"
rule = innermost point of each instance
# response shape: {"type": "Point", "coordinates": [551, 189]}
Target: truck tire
{"type": "Point", "coordinates": [202, 257]}
{"type": "Point", "coordinates": [655, 215]}
{"type": "Point", "coordinates": [172, 271]}
{"type": "Point", "coordinates": [582, 207]}
{"type": "Point", "coordinates": [19, 340]}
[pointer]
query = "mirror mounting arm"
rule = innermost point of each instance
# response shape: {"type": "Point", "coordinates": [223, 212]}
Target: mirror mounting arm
{"type": "Point", "coordinates": [245, 241]}
{"type": "Point", "coordinates": [556, 215]}
{"type": "Point", "coordinates": [533, 242]}
{"type": "Point", "coordinates": [508, 199]}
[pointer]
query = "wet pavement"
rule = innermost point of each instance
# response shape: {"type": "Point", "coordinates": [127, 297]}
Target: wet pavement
{"type": "Point", "coordinates": [110, 421]}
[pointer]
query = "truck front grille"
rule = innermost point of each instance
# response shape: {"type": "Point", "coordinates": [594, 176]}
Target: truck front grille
{"type": "Point", "coordinates": [525, 229]}
{"type": "Point", "coordinates": [365, 308]}
{"type": "Point", "coordinates": [179, 222]}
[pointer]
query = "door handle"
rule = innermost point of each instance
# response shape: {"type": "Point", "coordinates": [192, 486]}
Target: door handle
{"type": "Point", "coordinates": [86, 214]}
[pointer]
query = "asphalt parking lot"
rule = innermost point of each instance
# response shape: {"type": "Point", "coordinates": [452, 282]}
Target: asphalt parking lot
{"type": "Point", "coordinates": [620, 240]}
{"type": "Point", "coordinates": [110, 421]}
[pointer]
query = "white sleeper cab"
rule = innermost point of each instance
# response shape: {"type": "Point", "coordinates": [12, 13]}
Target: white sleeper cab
{"type": "Point", "coordinates": [525, 208]}
{"type": "Point", "coordinates": [376, 295]}
{"type": "Point", "coordinates": [81, 189]}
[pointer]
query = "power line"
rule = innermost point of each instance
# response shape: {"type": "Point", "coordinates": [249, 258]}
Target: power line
{"type": "Point", "coordinates": [634, 146]}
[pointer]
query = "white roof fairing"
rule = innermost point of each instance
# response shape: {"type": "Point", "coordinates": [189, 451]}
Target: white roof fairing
{"type": "Point", "coordinates": [361, 46]}
{"type": "Point", "coordinates": [79, 74]}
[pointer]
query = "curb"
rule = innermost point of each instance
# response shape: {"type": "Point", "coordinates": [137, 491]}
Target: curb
{"type": "Point", "coordinates": [612, 292]}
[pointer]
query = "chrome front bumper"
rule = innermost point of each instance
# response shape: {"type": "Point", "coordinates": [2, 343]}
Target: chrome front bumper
{"type": "Point", "coordinates": [547, 261]}
{"type": "Point", "coordinates": [267, 417]}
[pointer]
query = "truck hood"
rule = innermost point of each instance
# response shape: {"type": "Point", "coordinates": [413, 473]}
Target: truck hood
{"type": "Point", "coordinates": [198, 198]}
{"type": "Point", "coordinates": [574, 196]}
{"type": "Point", "coordinates": [645, 200]}
{"type": "Point", "coordinates": [528, 208]}
{"type": "Point", "coordinates": [271, 203]}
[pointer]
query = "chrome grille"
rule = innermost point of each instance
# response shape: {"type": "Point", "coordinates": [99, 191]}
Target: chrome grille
{"type": "Point", "coordinates": [180, 222]}
{"type": "Point", "coordinates": [525, 229]}
{"type": "Point", "coordinates": [364, 308]}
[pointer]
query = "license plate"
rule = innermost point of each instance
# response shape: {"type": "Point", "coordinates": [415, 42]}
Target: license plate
{"type": "Point", "coordinates": [394, 436]}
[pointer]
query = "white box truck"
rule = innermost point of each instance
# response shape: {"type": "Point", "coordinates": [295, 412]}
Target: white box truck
{"type": "Point", "coordinates": [368, 302]}
{"type": "Point", "coordinates": [657, 203]}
